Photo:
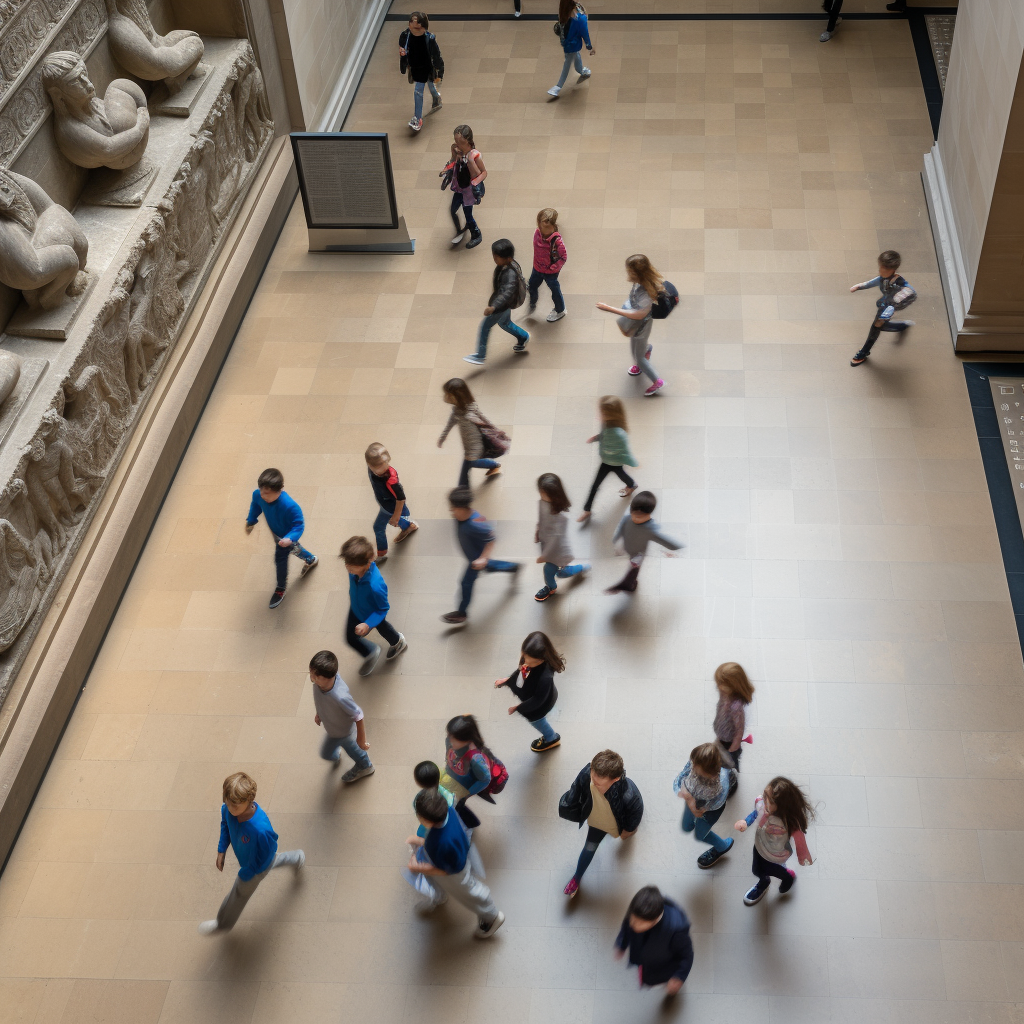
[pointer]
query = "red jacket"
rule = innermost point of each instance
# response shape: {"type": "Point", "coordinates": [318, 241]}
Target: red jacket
{"type": "Point", "coordinates": [542, 246]}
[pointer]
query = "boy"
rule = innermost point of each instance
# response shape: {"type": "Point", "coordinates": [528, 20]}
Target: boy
{"type": "Point", "coordinates": [368, 597]}
{"type": "Point", "coordinates": [636, 530]}
{"type": "Point", "coordinates": [477, 541]}
{"type": "Point", "coordinates": [447, 847]}
{"type": "Point", "coordinates": [390, 495]}
{"type": "Point", "coordinates": [420, 57]}
{"type": "Point", "coordinates": [340, 716]}
{"type": "Point", "coordinates": [284, 517]}
{"type": "Point", "coordinates": [245, 825]}
{"type": "Point", "coordinates": [505, 296]}
{"type": "Point", "coordinates": [656, 933]}
{"type": "Point", "coordinates": [895, 290]}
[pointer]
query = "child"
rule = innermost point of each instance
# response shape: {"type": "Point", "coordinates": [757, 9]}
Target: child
{"type": "Point", "coordinates": [607, 801]}
{"type": "Point", "coordinates": [656, 934]}
{"type": "Point", "coordinates": [613, 449]}
{"type": "Point", "coordinates": [552, 535]}
{"type": "Point", "coordinates": [469, 172]}
{"type": "Point", "coordinates": [704, 785]}
{"type": "Point", "coordinates": [476, 538]}
{"type": "Point", "coordinates": [505, 296]}
{"type": "Point", "coordinates": [534, 684]}
{"type": "Point", "coordinates": [428, 776]}
{"type": "Point", "coordinates": [573, 32]}
{"type": "Point", "coordinates": [636, 530]}
{"type": "Point", "coordinates": [390, 495]}
{"type": "Point", "coordinates": [466, 413]}
{"type": "Point", "coordinates": [421, 60]}
{"type": "Point", "coordinates": [368, 597]}
{"type": "Point", "coordinates": [549, 257]}
{"type": "Point", "coordinates": [895, 292]}
{"type": "Point", "coordinates": [284, 517]}
{"type": "Point", "coordinates": [245, 825]}
{"type": "Point", "coordinates": [784, 816]}
{"type": "Point", "coordinates": [341, 717]}
{"type": "Point", "coordinates": [735, 692]}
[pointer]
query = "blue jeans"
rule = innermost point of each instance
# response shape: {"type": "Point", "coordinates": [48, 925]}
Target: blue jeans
{"type": "Point", "coordinates": [458, 203]}
{"type": "Point", "coordinates": [493, 565]}
{"type": "Point", "coordinates": [544, 728]}
{"type": "Point", "coordinates": [468, 464]}
{"type": "Point", "coordinates": [504, 321]}
{"type": "Point", "coordinates": [418, 93]}
{"type": "Point", "coordinates": [536, 279]}
{"type": "Point", "coordinates": [551, 572]}
{"type": "Point", "coordinates": [281, 559]}
{"type": "Point", "coordinates": [701, 828]}
{"type": "Point", "coordinates": [570, 59]}
{"type": "Point", "coordinates": [332, 747]}
{"type": "Point", "coordinates": [381, 522]}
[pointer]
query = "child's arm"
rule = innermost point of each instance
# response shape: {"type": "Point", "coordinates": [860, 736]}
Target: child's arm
{"type": "Point", "coordinates": [225, 838]}
{"type": "Point", "coordinates": [364, 743]}
{"type": "Point", "coordinates": [563, 255]}
{"type": "Point", "coordinates": [480, 173]}
{"type": "Point", "coordinates": [447, 428]}
{"type": "Point", "coordinates": [865, 284]}
{"type": "Point", "coordinates": [803, 854]}
{"type": "Point", "coordinates": [399, 505]}
{"type": "Point", "coordinates": [658, 537]}
{"type": "Point", "coordinates": [481, 772]}
{"type": "Point", "coordinates": [744, 823]}
{"type": "Point", "coordinates": [435, 60]}
{"type": "Point", "coordinates": [479, 563]}
{"type": "Point", "coordinates": [617, 535]}
{"type": "Point", "coordinates": [254, 514]}
{"type": "Point", "coordinates": [629, 314]}
{"type": "Point", "coordinates": [298, 525]}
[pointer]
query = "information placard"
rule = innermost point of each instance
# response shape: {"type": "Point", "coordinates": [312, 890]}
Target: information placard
{"type": "Point", "coordinates": [1008, 398]}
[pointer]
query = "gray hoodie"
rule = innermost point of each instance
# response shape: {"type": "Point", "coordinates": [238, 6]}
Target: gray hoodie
{"type": "Point", "coordinates": [636, 536]}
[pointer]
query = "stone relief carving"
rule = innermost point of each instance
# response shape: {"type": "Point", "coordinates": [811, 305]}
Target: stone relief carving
{"type": "Point", "coordinates": [134, 42]}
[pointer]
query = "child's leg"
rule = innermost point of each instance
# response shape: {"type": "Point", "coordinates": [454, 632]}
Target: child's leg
{"type": "Point", "coordinates": [550, 569]}
{"type": "Point", "coordinates": [281, 564]}
{"type": "Point", "coordinates": [628, 582]}
{"type": "Point", "coordinates": [543, 726]}
{"type": "Point", "coordinates": [467, 588]}
{"type": "Point", "coordinates": [566, 64]}
{"type": "Point", "coordinates": [556, 291]}
{"type": "Point", "coordinates": [533, 285]}
{"type": "Point", "coordinates": [470, 219]}
{"type": "Point", "coordinates": [468, 464]}
{"type": "Point", "coordinates": [351, 747]}
{"type": "Point", "coordinates": [689, 820]}
{"type": "Point", "coordinates": [765, 868]}
{"type": "Point", "coordinates": [330, 749]}
{"type": "Point", "coordinates": [705, 835]}
{"type": "Point", "coordinates": [456, 206]}
{"type": "Point", "coordinates": [388, 632]}
{"type": "Point", "coordinates": [594, 837]}
{"type": "Point", "coordinates": [380, 531]}
{"type": "Point", "coordinates": [483, 332]}
{"type": "Point", "coordinates": [359, 644]}
{"type": "Point", "coordinates": [833, 14]}
{"type": "Point", "coordinates": [621, 473]}
{"type": "Point", "coordinates": [602, 471]}
{"type": "Point", "coordinates": [418, 99]}
{"type": "Point", "coordinates": [568, 571]}
{"type": "Point", "coordinates": [638, 344]}
{"type": "Point", "coordinates": [435, 95]}
{"type": "Point", "coordinates": [236, 899]}
{"type": "Point", "coordinates": [506, 323]}
{"type": "Point", "coordinates": [497, 565]}
{"type": "Point", "coordinates": [578, 62]}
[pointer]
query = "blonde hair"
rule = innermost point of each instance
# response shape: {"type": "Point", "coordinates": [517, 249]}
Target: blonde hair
{"type": "Point", "coordinates": [646, 274]}
{"type": "Point", "coordinates": [239, 789]}
{"type": "Point", "coordinates": [732, 677]}
{"type": "Point", "coordinates": [707, 757]}
{"type": "Point", "coordinates": [377, 453]}
{"type": "Point", "coordinates": [613, 412]}
{"type": "Point", "coordinates": [547, 216]}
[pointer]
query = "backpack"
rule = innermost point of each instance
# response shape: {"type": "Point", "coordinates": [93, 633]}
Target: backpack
{"type": "Point", "coordinates": [496, 441]}
{"type": "Point", "coordinates": [668, 299]}
{"type": "Point", "coordinates": [521, 289]}
{"type": "Point", "coordinates": [904, 297]}
{"type": "Point", "coordinates": [499, 773]}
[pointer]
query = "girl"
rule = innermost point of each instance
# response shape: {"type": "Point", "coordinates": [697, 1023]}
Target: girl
{"type": "Point", "coordinates": [470, 419]}
{"type": "Point", "coordinates": [735, 692]}
{"type": "Point", "coordinates": [549, 257]}
{"type": "Point", "coordinates": [552, 529]}
{"type": "Point", "coordinates": [469, 173]}
{"type": "Point", "coordinates": [647, 284]}
{"type": "Point", "coordinates": [704, 785]}
{"type": "Point", "coordinates": [573, 33]}
{"type": "Point", "coordinates": [784, 816]}
{"type": "Point", "coordinates": [534, 684]}
{"type": "Point", "coordinates": [467, 771]}
{"type": "Point", "coordinates": [420, 57]}
{"type": "Point", "coordinates": [614, 450]}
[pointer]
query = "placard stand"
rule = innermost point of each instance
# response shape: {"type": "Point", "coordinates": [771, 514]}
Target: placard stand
{"type": "Point", "coordinates": [348, 193]}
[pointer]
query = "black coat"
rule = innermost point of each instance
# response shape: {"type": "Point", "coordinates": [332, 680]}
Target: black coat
{"type": "Point", "coordinates": [537, 691]}
{"type": "Point", "coordinates": [663, 952]}
{"type": "Point", "coordinates": [626, 802]}
{"type": "Point", "coordinates": [433, 52]}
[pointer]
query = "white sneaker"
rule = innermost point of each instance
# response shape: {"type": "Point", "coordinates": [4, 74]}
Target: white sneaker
{"type": "Point", "coordinates": [458, 238]}
{"type": "Point", "coordinates": [584, 75]}
{"type": "Point", "coordinates": [370, 661]}
{"type": "Point", "coordinates": [555, 315]}
{"type": "Point", "coordinates": [480, 933]}
{"type": "Point", "coordinates": [301, 862]}
{"type": "Point", "coordinates": [209, 927]}
{"type": "Point", "coordinates": [554, 90]}
{"type": "Point", "coordinates": [396, 650]}
{"type": "Point", "coordinates": [824, 37]}
{"type": "Point", "coordinates": [519, 14]}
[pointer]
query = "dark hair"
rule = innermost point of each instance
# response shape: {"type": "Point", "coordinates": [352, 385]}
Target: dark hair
{"type": "Point", "coordinates": [427, 774]}
{"type": "Point", "coordinates": [503, 248]}
{"type": "Point", "coordinates": [466, 132]}
{"type": "Point", "coordinates": [357, 551]}
{"type": "Point", "coordinates": [608, 764]}
{"type": "Point", "coordinates": [707, 757]}
{"type": "Point", "coordinates": [420, 18]}
{"type": "Point", "coordinates": [431, 805]}
{"type": "Point", "coordinates": [566, 9]}
{"type": "Point", "coordinates": [272, 479]}
{"type": "Point", "coordinates": [539, 645]}
{"type": "Point", "coordinates": [648, 904]}
{"type": "Point", "coordinates": [890, 259]}
{"type": "Point", "coordinates": [644, 502]}
{"type": "Point", "coordinates": [461, 497]}
{"type": "Point", "coordinates": [551, 485]}
{"type": "Point", "coordinates": [324, 664]}
{"type": "Point", "coordinates": [459, 390]}
{"type": "Point", "coordinates": [464, 728]}
{"type": "Point", "coordinates": [791, 806]}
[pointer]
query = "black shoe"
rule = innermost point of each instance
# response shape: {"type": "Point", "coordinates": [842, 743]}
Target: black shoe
{"type": "Point", "coordinates": [276, 598]}
{"type": "Point", "coordinates": [788, 884]}
{"type": "Point", "coordinates": [860, 357]}
{"type": "Point", "coordinates": [711, 856]}
{"type": "Point", "coordinates": [455, 618]}
{"type": "Point", "coordinates": [475, 240]}
{"type": "Point", "coordinates": [541, 744]}
{"type": "Point", "coordinates": [755, 893]}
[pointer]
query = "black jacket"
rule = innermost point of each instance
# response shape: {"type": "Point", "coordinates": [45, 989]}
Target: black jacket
{"type": "Point", "coordinates": [433, 51]}
{"type": "Point", "coordinates": [626, 802]}
{"type": "Point", "coordinates": [663, 952]}
{"type": "Point", "coordinates": [537, 692]}
{"type": "Point", "coordinates": [504, 286]}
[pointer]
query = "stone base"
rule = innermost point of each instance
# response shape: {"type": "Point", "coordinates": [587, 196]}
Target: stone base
{"type": "Point", "coordinates": [32, 371]}
{"type": "Point", "coordinates": [183, 102]}
{"type": "Point", "coordinates": [50, 324]}
{"type": "Point", "coordinates": [119, 188]}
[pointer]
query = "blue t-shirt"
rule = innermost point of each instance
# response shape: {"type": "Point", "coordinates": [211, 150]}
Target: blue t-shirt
{"type": "Point", "coordinates": [447, 845]}
{"type": "Point", "coordinates": [368, 595]}
{"type": "Point", "coordinates": [474, 535]}
{"type": "Point", "coordinates": [254, 841]}
{"type": "Point", "coordinates": [284, 516]}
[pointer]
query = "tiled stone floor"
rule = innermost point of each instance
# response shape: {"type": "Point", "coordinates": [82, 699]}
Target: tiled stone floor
{"type": "Point", "coordinates": [839, 543]}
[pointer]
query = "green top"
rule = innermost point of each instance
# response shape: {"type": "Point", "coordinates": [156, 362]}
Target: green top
{"type": "Point", "coordinates": [614, 445]}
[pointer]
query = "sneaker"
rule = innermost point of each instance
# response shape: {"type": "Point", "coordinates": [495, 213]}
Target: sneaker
{"type": "Point", "coordinates": [474, 241]}
{"type": "Point", "coordinates": [455, 618]}
{"type": "Point", "coordinates": [306, 566]}
{"type": "Point", "coordinates": [458, 238]}
{"type": "Point", "coordinates": [583, 76]}
{"type": "Point", "coordinates": [415, 123]}
{"type": "Point", "coordinates": [755, 893]}
{"type": "Point", "coordinates": [520, 346]}
{"type": "Point", "coordinates": [474, 359]}
{"type": "Point", "coordinates": [301, 862]}
{"type": "Point", "coordinates": [370, 661]}
{"type": "Point", "coordinates": [544, 593]}
{"type": "Point", "coordinates": [532, 309]}
{"type": "Point", "coordinates": [411, 528]}
{"type": "Point", "coordinates": [354, 774]}
{"type": "Point", "coordinates": [396, 649]}
{"type": "Point", "coordinates": [493, 471]}
{"type": "Point", "coordinates": [555, 315]}
{"type": "Point", "coordinates": [209, 927]}
{"type": "Point", "coordinates": [518, 14]}
{"type": "Point", "coordinates": [554, 91]}
{"type": "Point", "coordinates": [380, 559]}
{"type": "Point", "coordinates": [276, 598]}
{"type": "Point", "coordinates": [436, 105]}
{"type": "Point", "coordinates": [711, 856]}
{"type": "Point", "coordinates": [634, 371]}
{"type": "Point", "coordinates": [654, 388]}
{"type": "Point", "coordinates": [858, 359]}
{"type": "Point", "coordinates": [572, 887]}
{"type": "Point", "coordinates": [540, 744]}
{"type": "Point", "coordinates": [787, 885]}
{"type": "Point", "coordinates": [486, 931]}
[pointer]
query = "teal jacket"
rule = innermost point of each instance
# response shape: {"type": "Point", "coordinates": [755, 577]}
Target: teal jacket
{"type": "Point", "coordinates": [614, 447]}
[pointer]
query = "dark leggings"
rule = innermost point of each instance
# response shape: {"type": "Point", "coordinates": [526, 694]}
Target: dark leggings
{"type": "Point", "coordinates": [457, 204]}
{"type": "Point", "coordinates": [763, 868]}
{"type": "Point", "coordinates": [359, 643]}
{"type": "Point", "coordinates": [594, 837]}
{"type": "Point", "coordinates": [602, 471]}
{"type": "Point", "coordinates": [832, 8]}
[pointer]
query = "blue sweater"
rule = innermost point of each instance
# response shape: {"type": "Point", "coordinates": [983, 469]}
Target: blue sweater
{"type": "Point", "coordinates": [577, 33]}
{"type": "Point", "coordinates": [284, 517]}
{"type": "Point", "coordinates": [447, 845]}
{"type": "Point", "coordinates": [368, 595]}
{"type": "Point", "coordinates": [254, 841]}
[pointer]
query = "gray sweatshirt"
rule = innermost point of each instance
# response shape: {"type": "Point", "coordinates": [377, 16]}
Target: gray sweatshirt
{"type": "Point", "coordinates": [636, 536]}
{"type": "Point", "coordinates": [337, 710]}
{"type": "Point", "coordinates": [553, 534]}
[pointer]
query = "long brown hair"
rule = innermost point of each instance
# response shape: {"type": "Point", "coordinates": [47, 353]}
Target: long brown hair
{"type": "Point", "coordinates": [791, 806]}
{"type": "Point", "coordinates": [467, 133]}
{"type": "Point", "coordinates": [566, 9]}
{"type": "Point", "coordinates": [465, 729]}
{"type": "Point", "coordinates": [551, 485]}
{"type": "Point", "coordinates": [731, 676]}
{"type": "Point", "coordinates": [646, 274]}
{"type": "Point", "coordinates": [539, 645]}
{"type": "Point", "coordinates": [612, 411]}
{"type": "Point", "coordinates": [459, 390]}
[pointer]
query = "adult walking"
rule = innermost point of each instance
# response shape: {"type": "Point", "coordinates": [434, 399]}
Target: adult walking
{"type": "Point", "coordinates": [468, 175]}
{"type": "Point", "coordinates": [573, 31]}
{"type": "Point", "coordinates": [466, 413]}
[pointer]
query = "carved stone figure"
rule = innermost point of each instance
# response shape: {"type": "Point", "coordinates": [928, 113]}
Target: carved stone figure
{"type": "Point", "coordinates": [42, 248]}
{"type": "Point", "coordinates": [10, 372]}
{"type": "Point", "coordinates": [21, 569]}
{"type": "Point", "coordinates": [134, 42]}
